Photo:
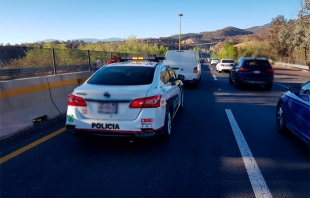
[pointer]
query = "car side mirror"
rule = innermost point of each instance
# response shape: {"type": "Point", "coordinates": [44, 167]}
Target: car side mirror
{"type": "Point", "coordinates": [295, 89]}
{"type": "Point", "coordinates": [181, 77]}
{"type": "Point", "coordinates": [172, 79]}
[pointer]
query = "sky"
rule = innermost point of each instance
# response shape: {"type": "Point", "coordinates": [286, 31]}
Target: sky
{"type": "Point", "coordinates": [28, 21]}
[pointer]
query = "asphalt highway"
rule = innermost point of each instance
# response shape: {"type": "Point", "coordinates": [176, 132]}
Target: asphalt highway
{"type": "Point", "coordinates": [224, 143]}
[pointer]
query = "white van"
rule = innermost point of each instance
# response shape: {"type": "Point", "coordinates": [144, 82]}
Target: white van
{"type": "Point", "coordinates": [185, 62]}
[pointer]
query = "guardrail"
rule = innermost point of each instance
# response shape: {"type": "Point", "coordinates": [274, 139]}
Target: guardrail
{"type": "Point", "coordinates": [302, 67]}
{"type": "Point", "coordinates": [24, 101]}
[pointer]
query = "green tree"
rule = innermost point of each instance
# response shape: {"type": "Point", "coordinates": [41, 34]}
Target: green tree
{"type": "Point", "coordinates": [302, 30]}
{"type": "Point", "coordinates": [228, 51]}
{"type": "Point", "coordinates": [276, 26]}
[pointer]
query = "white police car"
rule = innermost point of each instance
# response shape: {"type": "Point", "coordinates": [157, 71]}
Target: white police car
{"type": "Point", "coordinates": [137, 97]}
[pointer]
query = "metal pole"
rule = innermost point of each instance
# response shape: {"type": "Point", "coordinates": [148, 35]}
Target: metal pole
{"type": "Point", "coordinates": [89, 64]}
{"type": "Point", "coordinates": [54, 60]}
{"type": "Point", "coordinates": [180, 15]}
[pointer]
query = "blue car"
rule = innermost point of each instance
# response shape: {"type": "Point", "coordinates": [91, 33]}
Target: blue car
{"type": "Point", "coordinates": [251, 70]}
{"type": "Point", "coordinates": [293, 112]}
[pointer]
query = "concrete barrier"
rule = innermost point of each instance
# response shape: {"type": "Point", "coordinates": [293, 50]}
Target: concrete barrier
{"type": "Point", "coordinates": [302, 67]}
{"type": "Point", "coordinates": [23, 100]}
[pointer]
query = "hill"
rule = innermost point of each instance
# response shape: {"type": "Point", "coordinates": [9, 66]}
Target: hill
{"type": "Point", "coordinates": [92, 40]}
{"type": "Point", "coordinates": [231, 34]}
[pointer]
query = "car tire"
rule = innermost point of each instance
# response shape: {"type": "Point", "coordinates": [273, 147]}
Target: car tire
{"type": "Point", "coordinates": [219, 71]}
{"type": "Point", "coordinates": [196, 84]}
{"type": "Point", "coordinates": [230, 80]}
{"type": "Point", "coordinates": [280, 122]}
{"type": "Point", "coordinates": [182, 101]}
{"type": "Point", "coordinates": [167, 126]}
{"type": "Point", "coordinates": [268, 86]}
{"type": "Point", "coordinates": [237, 84]}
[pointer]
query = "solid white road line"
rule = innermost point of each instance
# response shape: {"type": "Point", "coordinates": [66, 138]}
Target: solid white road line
{"type": "Point", "coordinates": [281, 85]}
{"type": "Point", "coordinates": [258, 183]}
{"type": "Point", "coordinates": [214, 77]}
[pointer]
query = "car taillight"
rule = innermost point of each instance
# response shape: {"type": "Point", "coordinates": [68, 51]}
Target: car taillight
{"type": "Point", "coordinates": [76, 101]}
{"type": "Point", "coordinates": [195, 71]}
{"type": "Point", "coordinates": [271, 70]}
{"type": "Point", "coordinates": [222, 65]}
{"type": "Point", "coordinates": [149, 102]}
{"type": "Point", "coordinates": [242, 69]}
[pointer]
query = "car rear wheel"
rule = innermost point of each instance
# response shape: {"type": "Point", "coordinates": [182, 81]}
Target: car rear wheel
{"type": "Point", "coordinates": [182, 98]}
{"type": "Point", "coordinates": [237, 84]}
{"type": "Point", "coordinates": [268, 86]}
{"type": "Point", "coordinates": [230, 80]}
{"type": "Point", "coordinates": [280, 122]}
{"type": "Point", "coordinates": [167, 126]}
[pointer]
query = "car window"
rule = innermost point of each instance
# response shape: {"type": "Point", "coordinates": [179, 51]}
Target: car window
{"type": "Point", "coordinates": [228, 61]}
{"type": "Point", "coordinates": [164, 75]}
{"type": "Point", "coordinates": [305, 90]}
{"type": "Point", "coordinates": [257, 63]}
{"type": "Point", "coordinates": [123, 75]}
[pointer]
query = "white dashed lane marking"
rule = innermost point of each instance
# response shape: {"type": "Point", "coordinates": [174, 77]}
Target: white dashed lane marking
{"type": "Point", "coordinates": [258, 183]}
{"type": "Point", "coordinates": [214, 77]}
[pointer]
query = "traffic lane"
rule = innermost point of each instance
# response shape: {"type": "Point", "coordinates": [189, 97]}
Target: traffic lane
{"type": "Point", "coordinates": [288, 77]}
{"type": "Point", "coordinates": [200, 160]}
{"type": "Point", "coordinates": [37, 131]}
{"type": "Point", "coordinates": [283, 159]}
{"type": "Point", "coordinates": [218, 140]}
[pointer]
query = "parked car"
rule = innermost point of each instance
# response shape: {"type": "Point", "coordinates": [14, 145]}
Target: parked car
{"type": "Point", "coordinates": [293, 112]}
{"type": "Point", "coordinates": [186, 63]}
{"type": "Point", "coordinates": [224, 65]}
{"type": "Point", "coordinates": [214, 61]}
{"type": "Point", "coordinates": [132, 98]}
{"type": "Point", "coordinates": [251, 70]}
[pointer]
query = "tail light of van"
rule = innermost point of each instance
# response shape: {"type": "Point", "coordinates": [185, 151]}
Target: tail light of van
{"type": "Point", "coordinates": [76, 101]}
{"type": "Point", "coordinates": [195, 71]}
{"type": "Point", "coordinates": [149, 102]}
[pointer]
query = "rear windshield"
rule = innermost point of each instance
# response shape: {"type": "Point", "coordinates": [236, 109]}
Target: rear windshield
{"type": "Point", "coordinates": [228, 61]}
{"type": "Point", "coordinates": [181, 57]}
{"type": "Point", "coordinates": [187, 58]}
{"type": "Point", "coordinates": [255, 63]}
{"type": "Point", "coordinates": [123, 75]}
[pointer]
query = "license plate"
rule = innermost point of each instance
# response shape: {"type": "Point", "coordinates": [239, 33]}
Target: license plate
{"type": "Point", "coordinates": [256, 72]}
{"type": "Point", "coordinates": [107, 107]}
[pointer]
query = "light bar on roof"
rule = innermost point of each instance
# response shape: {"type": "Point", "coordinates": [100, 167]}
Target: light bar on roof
{"type": "Point", "coordinates": [146, 58]}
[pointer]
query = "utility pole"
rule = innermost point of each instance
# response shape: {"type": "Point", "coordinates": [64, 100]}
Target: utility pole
{"type": "Point", "coordinates": [180, 15]}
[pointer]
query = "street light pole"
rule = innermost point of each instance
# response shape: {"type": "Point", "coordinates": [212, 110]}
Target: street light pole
{"type": "Point", "coordinates": [180, 15]}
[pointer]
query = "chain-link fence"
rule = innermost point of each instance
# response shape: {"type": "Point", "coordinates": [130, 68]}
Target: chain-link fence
{"type": "Point", "coordinates": [28, 62]}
